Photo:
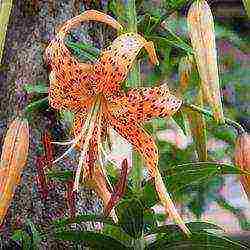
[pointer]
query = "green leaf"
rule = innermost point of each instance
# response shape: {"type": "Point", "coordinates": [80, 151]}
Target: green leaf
{"type": "Point", "coordinates": [193, 226]}
{"type": "Point", "coordinates": [23, 238]}
{"type": "Point", "coordinates": [149, 196]}
{"type": "Point", "coordinates": [175, 4]}
{"type": "Point", "coordinates": [173, 42]}
{"type": "Point", "coordinates": [181, 120]}
{"type": "Point", "coordinates": [117, 233]}
{"type": "Point", "coordinates": [36, 238]}
{"type": "Point", "coordinates": [67, 117]}
{"type": "Point", "coordinates": [130, 214]}
{"type": "Point", "coordinates": [225, 134]}
{"type": "Point", "coordinates": [91, 239]}
{"type": "Point", "coordinates": [38, 88]}
{"type": "Point", "coordinates": [42, 104]}
{"type": "Point", "coordinates": [85, 51]}
{"type": "Point", "coordinates": [81, 218]}
{"type": "Point", "coordinates": [197, 241]}
{"type": "Point", "coordinates": [179, 177]}
{"type": "Point", "coordinates": [62, 176]}
{"type": "Point", "coordinates": [149, 220]}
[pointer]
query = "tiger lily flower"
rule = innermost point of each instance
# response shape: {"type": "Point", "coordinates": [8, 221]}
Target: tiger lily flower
{"type": "Point", "coordinates": [93, 93]}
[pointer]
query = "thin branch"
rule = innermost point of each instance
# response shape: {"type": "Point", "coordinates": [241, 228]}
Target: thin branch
{"type": "Point", "coordinates": [207, 113]}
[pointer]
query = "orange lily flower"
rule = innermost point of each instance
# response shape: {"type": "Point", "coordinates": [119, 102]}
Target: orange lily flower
{"type": "Point", "coordinates": [93, 93]}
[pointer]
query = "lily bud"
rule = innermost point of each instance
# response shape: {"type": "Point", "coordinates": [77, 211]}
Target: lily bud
{"type": "Point", "coordinates": [13, 159]}
{"type": "Point", "coordinates": [242, 160]}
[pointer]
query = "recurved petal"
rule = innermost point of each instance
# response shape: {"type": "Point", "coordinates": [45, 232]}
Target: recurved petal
{"type": "Point", "coordinates": [89, 15]}
{"type": "Point", "coordinates": [67, 95]}
{"type": "Point", "coordinates": [117, 59]}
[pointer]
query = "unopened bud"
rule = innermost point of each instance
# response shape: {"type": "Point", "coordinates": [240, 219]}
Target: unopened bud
{"type": "Point", "coordinates": [242, 160]}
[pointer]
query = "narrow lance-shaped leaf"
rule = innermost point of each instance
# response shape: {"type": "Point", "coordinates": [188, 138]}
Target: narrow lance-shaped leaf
{"type": "Point", "coordinates": [13, 159]}
{"type": "Point", "coordinates": [201, 31]}
{"type": "Point", "coordinates": [195, 173]}
{"type": "Point", "coordinates": [91, 239]}
{"type": "Point", "coordinates": [198, 130]}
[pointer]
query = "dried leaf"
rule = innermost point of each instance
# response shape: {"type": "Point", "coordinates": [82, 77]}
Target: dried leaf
{"type": "Point", "coordinates": [201, 29]}
{"type": "Point", "coordinates": [185, 70]}
{"type": "Point", "coordinates": [198, 130]}
{"type": "Point", "coordinates": [13, 158]}
{"type": "Point", "coordinates": [242, 159]}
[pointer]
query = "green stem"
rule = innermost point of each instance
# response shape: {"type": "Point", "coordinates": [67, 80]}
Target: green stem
{"type": "Point", "coordinates": [131, 15]}
{"type": "Point", "coordinates": [207, 113]}
{"type": "Point", "coordinates": [133, 81]}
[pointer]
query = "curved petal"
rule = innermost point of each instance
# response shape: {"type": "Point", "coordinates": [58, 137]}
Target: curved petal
{"type": "Point", "coordinates": [117, 60]}
{"type": "Point", "coordinates": [145, 144]}
{"type": "Point", "coordinates": [139, 138]}
{"type": "Point", "coordinates": [68, 74]}
{"type": "Point", "coordinates": [143, 104]}
{"type": "Point", "coordinates": [57, 48]}
{"type": "Point", "coordinates": [88, 15]}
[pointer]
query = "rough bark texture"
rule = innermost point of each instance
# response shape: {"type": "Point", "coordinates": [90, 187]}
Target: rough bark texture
{"type": "Point", "coordinates": [32, 25]}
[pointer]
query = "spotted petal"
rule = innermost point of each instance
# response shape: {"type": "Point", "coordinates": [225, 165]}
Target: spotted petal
{"type": "Point", "coordinates": [142, 104]}
{"type": "Point", "coordinates": [68, 75]}
{"type": "Point", "coordinates": [117, 60]}
{"type": "Point", "coordinates": [139, 138]}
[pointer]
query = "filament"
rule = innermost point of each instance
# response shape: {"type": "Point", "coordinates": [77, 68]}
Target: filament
{"type": "Point", "coordinates": [96, 108]}
{"type": "Point", "coordinates": [77, 139]}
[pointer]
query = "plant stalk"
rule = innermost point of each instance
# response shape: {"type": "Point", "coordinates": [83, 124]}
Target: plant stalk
{"type": "Point", "coordinates": [133, 81]}
{"type": "Point", "coordinates": [207, 113]}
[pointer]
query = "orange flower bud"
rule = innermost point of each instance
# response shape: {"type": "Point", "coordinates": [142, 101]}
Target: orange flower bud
{"type": "Point", "coordinates": [242, 159]}
{"type": "Point", "coordinates": [13, 159]}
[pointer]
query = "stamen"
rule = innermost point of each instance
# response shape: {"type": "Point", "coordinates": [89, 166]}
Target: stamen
{"type": "Point", "coordinates": [63, 143]}
{"type": "Point", "coordinates": [77, 139]}
{"type": "Point", "coordinates": [92, 123]}
{"type": "Point", "coordinates": [99, 144]}
{"type": "Point", "coordinates": [106, 155]}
